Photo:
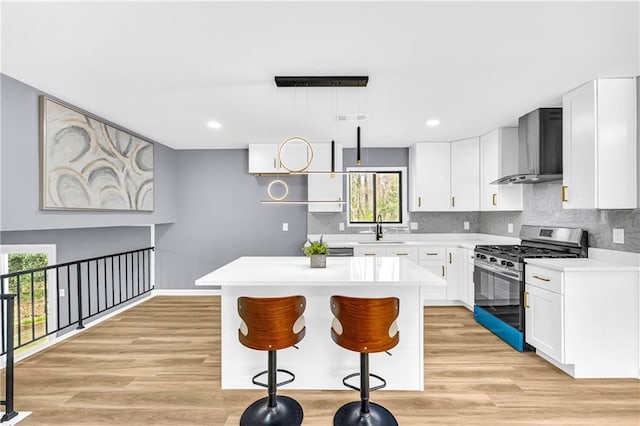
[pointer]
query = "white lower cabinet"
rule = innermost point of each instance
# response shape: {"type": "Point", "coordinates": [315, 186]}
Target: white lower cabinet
{"type": "Point", "coordinates": [543, 321]}
{"type": "Point", "coordinates": [584, 321]}
{"type": "Point", "coordinates": [467, 286]}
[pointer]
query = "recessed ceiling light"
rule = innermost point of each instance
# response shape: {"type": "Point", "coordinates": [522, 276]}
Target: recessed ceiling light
{"type": "Point", "coordinates": [214, 125]}
{"type": "Point", "coordinates": [433, 122]}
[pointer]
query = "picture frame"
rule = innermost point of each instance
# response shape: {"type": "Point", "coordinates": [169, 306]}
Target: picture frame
{"type": "Point", "coordinates": [89, 164]}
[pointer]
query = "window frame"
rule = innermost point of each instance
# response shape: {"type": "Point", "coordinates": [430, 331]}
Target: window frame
{"type": "Point", "coordinates": [404, 214]}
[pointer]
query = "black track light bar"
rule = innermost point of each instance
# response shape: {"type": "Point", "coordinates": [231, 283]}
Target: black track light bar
{"type": "Point", "coordinates": [341, 81]}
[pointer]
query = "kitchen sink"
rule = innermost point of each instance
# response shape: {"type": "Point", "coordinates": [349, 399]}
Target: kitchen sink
{"type": "Point", "coordinates": [382, 242]}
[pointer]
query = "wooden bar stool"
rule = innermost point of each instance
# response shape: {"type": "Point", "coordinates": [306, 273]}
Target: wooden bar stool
{"type": "Point", "coordinates": [365, 326]}
{"type": "Point", "coordinates": [270, 324]}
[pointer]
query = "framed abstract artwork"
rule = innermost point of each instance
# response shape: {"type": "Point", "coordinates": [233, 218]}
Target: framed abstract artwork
{"type": "Point", "coordinates": [87, 164]}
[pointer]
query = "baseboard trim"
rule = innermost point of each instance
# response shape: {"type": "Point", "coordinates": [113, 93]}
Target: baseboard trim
{"type": "Point", "coordinates": [186, 292]}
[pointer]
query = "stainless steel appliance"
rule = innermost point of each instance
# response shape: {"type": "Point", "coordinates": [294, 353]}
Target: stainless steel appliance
{"type": "Point", "coordinates": [499, 277]}
{"type": "Point", "coordinates": [539, 147]}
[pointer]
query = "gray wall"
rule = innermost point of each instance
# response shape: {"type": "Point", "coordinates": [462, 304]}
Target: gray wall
{"type": "Point", "coordinates": [76, 244]}
{"type": "Point", "coordinates": [220, 217]}
{"type": "Point", "coordinates": [19, 173]}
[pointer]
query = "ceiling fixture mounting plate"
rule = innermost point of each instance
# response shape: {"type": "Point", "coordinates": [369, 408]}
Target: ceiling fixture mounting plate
{"type": "Point", "coordinates": [340, 81]}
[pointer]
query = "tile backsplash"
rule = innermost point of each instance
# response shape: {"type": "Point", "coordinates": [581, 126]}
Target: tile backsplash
{"type": "Point", "coordinates": [542, 206]}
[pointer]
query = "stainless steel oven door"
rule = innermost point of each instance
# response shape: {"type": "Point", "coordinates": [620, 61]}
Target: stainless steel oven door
{"type": "Point", "coordinates": [500, 293]}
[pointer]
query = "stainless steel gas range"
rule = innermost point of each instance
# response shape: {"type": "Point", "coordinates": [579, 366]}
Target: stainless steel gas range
{"type": "Point", "coordinates": [499, 277]}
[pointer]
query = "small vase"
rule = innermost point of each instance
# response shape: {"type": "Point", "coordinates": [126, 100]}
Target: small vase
{"type": "Point", "coordinates": [318, 260]}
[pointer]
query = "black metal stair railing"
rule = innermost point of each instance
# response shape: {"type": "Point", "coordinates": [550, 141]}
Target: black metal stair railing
{"type": "Point", "coordinates": [40, 302]}
{"type": "Point", "coordinates": [52, 299]}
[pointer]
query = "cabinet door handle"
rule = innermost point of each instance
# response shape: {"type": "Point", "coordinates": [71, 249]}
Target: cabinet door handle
{"type": "Point", "coordinates": [274, 163]}
{"type": "Point", "coordinates": [450, 259]}
{"type": "Point", "coordinates": [564, 193]}
{"type": "Point", "coordinates": [419, 201]}
{"type": "Point", "coordinates": [537, 277]}
{"type": "Point", "coordinates": [369, 254]}
{"type": "Point", "coordinates": [526, 299]}
{"type": "Point", "coordinates": [453, 201]}
{"type": "Point", "coordinates": [402, 254]}
{"type": "Point", "coordinates": [432, 254]}
{"type": "Point", "coordinates": [493, 199]}
{"type": "Point", "coordinates": [443, 270]}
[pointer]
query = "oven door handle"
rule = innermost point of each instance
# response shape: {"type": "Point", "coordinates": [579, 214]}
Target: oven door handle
{"type": "Point", "coordinates": [484, 266]}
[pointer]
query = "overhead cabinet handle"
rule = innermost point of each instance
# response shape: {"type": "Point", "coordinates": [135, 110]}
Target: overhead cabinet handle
{"type": "Point", "coordinates": [453, 201]}
{"type": "Point", "coordinates": [443, 270]}
{"type": "Point", "coordinates": [526, 299]}
{"type": "Point", "coordinates": [450, 259]}
{"type": "Point", "coordinates": [493, 199]}
{"type": "Point", "coordinates": [564, 193]}
{"type": "Point", "coordinates": [419, 201]}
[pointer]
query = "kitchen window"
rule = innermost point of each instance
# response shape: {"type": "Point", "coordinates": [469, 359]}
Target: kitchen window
{"type": "Point", "coordinates": [377, 191]}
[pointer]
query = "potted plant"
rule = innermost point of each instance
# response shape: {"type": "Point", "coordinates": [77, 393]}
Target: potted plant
{"type": "Point", "coordinates": [317, 252]}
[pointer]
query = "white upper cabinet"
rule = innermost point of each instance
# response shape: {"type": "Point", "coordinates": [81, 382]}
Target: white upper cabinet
{"type": "Point", "coordinates": [263, 158]}
{"type": "Point", "coordinates": [465, 175]}
{"type": "Point", "coordinates": [599, 145]}
{"type": "Point", "coordinates": [269, 158]}
{"type": "Point", "coordinates": [499, 158]}
{"type": "Point", "coordinates": [430, 177]}
{"type": "Point", "coordinates": [325, 186]}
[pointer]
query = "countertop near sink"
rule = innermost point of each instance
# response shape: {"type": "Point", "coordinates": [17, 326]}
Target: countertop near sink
{"type": "Point", "coordinates": [464, 240]}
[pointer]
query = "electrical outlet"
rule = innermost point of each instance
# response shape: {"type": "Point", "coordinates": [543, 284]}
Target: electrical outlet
{"type": "Point", "coordinates": [341, 226]}
{"type": "Point", "coordinates": [510, 228]}
{"type": "Point", "coordinates": [413, 225]}
{"type": "Point", "coordinates": [62, 292]}
{"type": "Point", "coordinates": [618, 235]}
{"type": "Point", "coordinates": [466, 226]}
{"type": "Point", "coordinates": [285, 226]}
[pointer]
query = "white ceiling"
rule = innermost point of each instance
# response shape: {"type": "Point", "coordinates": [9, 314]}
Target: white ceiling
{"type": "Point", "coordinates": [164, 69]}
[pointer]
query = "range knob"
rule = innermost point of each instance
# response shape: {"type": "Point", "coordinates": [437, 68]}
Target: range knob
{"type": "Point", "coordinates": [481, 256]}
{"type": "Point", "coordinates": [510, 264]}
{"type": "Point", "coordinates": [503, 262]}
{"type": "Point", "coordinates": [493, 259]}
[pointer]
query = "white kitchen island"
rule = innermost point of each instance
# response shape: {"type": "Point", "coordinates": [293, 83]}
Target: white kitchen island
{"type": "Point", "coordinates": [319, 363]}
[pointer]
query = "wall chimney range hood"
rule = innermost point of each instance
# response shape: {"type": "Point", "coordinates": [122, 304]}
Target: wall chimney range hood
{"type": "Point", "coordinates": [539, 148]}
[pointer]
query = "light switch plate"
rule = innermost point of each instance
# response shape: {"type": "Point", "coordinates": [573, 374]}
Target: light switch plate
{"type": "Point", "coordinates": [510, 228]}
{"type": "Point", "coordinates": [413, 225]}
{"type": "Point", "coordinates": [466, 226]}
{"type": "Point", "coordinates": [285, 226]}
{"type": "Point", "coordinates": [62, 292]}
{"type": "Point", "coordinates": [341, 226]}
{"type": "Point", "coordinates": [618, 235]}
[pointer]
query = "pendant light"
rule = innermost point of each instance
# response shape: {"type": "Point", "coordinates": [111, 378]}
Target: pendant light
{"type": "Point", "coordinates": [358, 160]}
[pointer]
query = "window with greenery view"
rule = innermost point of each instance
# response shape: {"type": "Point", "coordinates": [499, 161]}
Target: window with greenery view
{"type": "Point", "coordinates": [373, 194]}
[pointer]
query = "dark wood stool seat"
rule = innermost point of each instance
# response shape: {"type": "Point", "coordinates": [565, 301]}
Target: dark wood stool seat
{"type": "Point", "coordinates": [270, 324]}
{"type": "Point", "coordinates": [366, 326]}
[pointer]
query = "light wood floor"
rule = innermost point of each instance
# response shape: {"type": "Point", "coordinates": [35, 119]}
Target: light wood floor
{"type": "Point", "coordinates": [159, 363]}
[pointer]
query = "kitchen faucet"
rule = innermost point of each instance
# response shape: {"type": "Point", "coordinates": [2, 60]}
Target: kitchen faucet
{"type": "Point", "coordinates": [379, 228]}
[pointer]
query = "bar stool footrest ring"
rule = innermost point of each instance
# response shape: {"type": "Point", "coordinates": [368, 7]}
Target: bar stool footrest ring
{"type": "Point", "coordinates": [279, 370]}
{"type": "Point", "coordinates": [371, 388]}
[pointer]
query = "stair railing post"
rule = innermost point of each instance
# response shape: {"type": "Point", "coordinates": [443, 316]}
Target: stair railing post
{"type": "Point", "coordinates": [8, 401]}
{"type": "Point", "coordinates": [79, 274]}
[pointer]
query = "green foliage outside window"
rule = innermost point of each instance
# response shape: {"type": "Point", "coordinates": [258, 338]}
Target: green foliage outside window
{"type": "Point", "coordinates": [23, 262]}
{"type": "Point", "coordinates": [373, 194]}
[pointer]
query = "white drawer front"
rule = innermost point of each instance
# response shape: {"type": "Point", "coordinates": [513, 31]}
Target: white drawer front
{"type": "Point", "coordinates": [369, 251]}
{"type": "Point", "coordinates": [432, 253]}
{"type": "Point", "coordinates": [408, 252]}
{"type": "Point", "coordinates": [544, 278]}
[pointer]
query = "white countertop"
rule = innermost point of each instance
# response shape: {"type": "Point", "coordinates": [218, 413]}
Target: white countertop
{"type": "Point", "coordinates": [582, 265]}
{"type": "Point", "coordinates": [287, 271]}
{"type": "Point", "coordinates": [468, 241]}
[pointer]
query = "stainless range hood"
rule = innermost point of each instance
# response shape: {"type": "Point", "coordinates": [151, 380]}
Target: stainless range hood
{"type": "Point", "coordinates": [539, 148]}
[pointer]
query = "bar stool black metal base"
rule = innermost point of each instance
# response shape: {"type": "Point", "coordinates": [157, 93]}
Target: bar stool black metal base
{"type": "Point", "coordinates": [350, 415]}
{"type": "Point", "coordinates": [287, 412]}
